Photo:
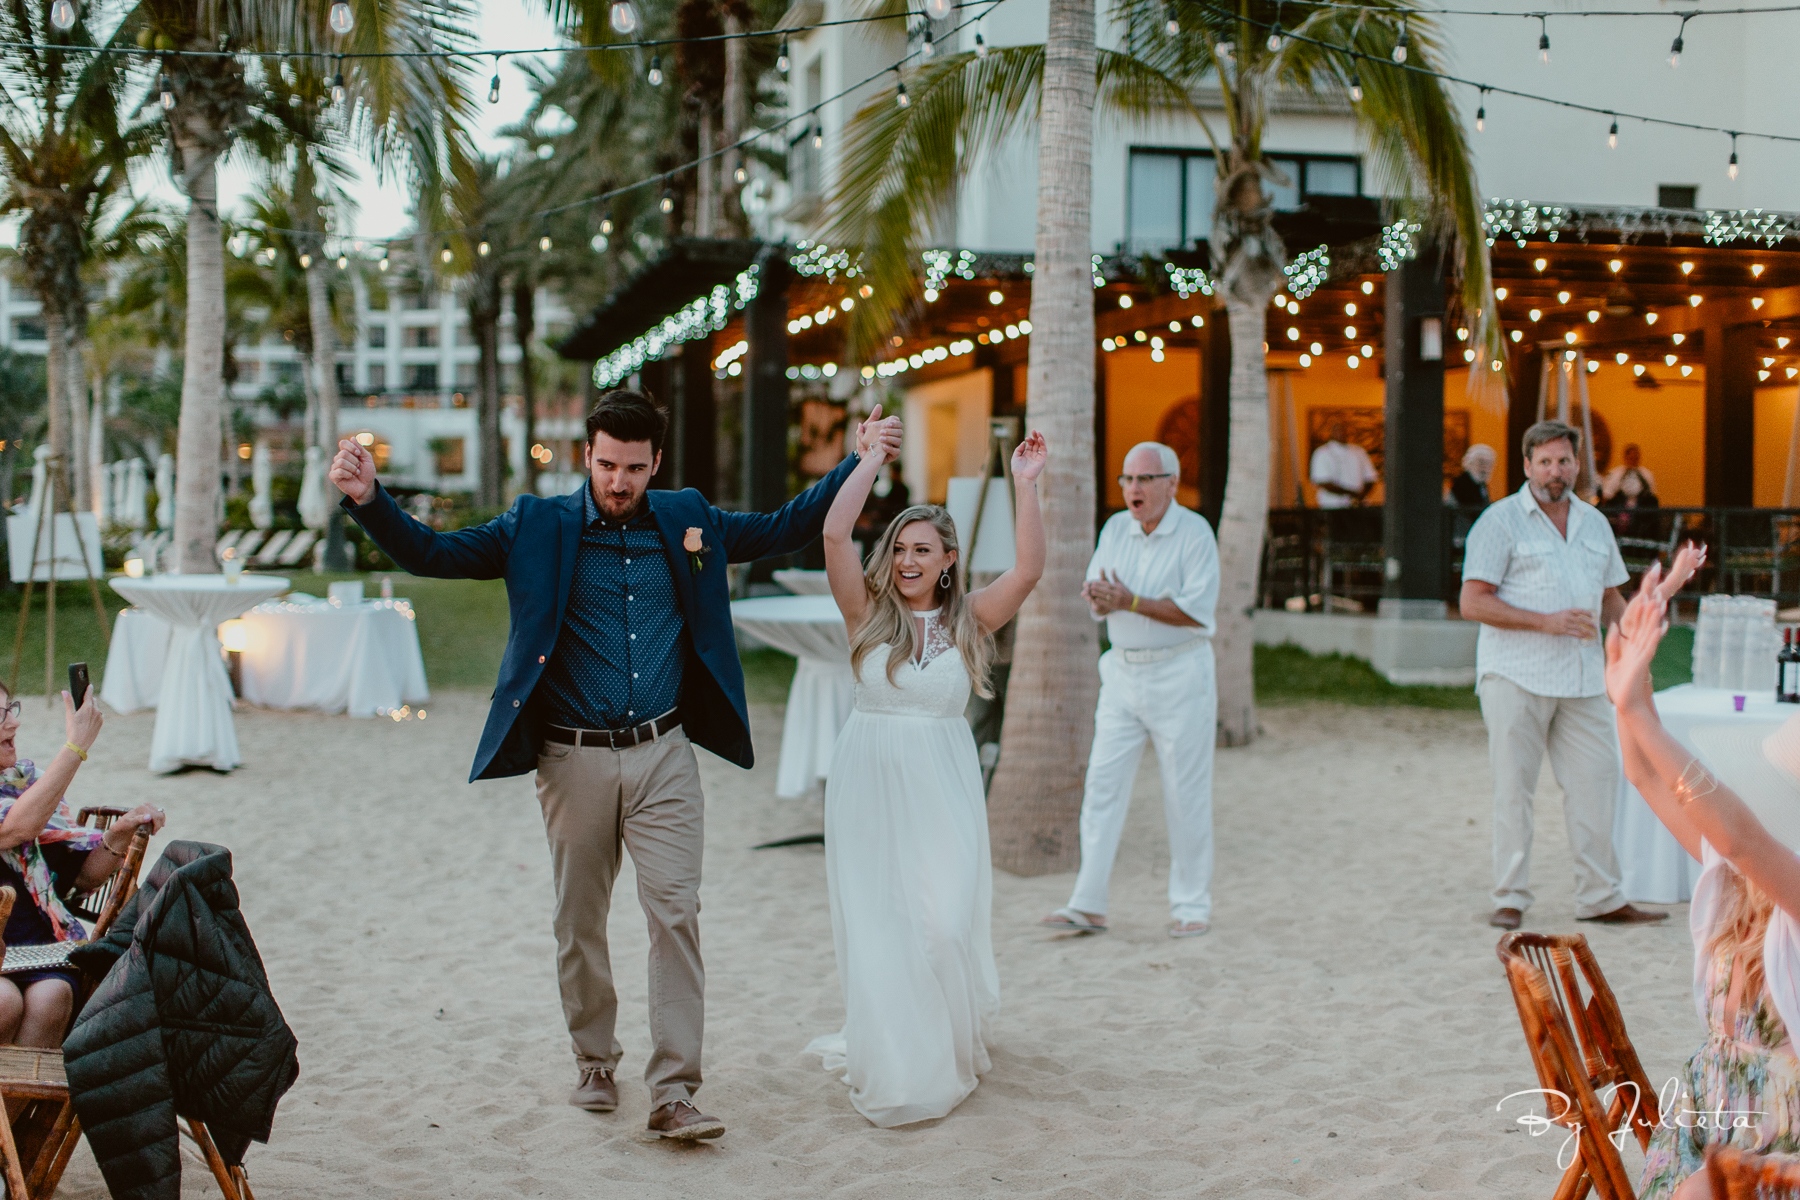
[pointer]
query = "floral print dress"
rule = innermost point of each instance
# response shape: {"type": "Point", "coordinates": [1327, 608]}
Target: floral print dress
{"type": "Point", "coordinates": [1741, 1087]}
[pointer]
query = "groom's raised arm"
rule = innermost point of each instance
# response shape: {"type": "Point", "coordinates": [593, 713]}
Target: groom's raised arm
{"type": "Point", "coordinates": [750, 536]}
{"type": "Point", "coordinates": [478, 553]}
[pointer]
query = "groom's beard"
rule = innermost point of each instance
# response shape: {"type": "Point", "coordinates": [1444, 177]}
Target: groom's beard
{"type": "Point", "coordinates": [616, 506]}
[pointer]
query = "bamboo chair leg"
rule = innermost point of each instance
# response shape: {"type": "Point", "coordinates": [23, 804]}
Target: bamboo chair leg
{"type": "Point", "coordinates": [220, 1171]}
{"type": "Point", "coordinates": [243, 1182]}
{"type": "Point", "coordinates": [9, 1157]}
{"type": "Point", "coordinates": [70, 1140]}
{"type": "Point", "coordinates": [57, 1146]}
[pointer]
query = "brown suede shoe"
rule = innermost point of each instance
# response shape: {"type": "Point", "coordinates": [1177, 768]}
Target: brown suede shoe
{"type": "Point", "coordinates": [1506, 918]}
{"type": "Point", "coordinates": [1627, 915]}
{"type": "Point", "coordinates": [596, 1091]}
{"type": "Point", "coordinates": [683, 1122]}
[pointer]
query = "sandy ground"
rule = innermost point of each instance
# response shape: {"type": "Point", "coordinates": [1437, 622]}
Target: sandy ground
{"type": "Point", "coordinates": [1344, 1030]}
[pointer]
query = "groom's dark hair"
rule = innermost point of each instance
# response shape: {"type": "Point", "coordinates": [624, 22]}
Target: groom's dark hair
{"type": "Point", "coordinates": [629, 416]}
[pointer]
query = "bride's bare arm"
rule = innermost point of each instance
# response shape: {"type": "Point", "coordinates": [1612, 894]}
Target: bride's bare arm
{"type": "Point", "coordinates": [995, 604]}
{"type": "Point", "coordinates": [879, 443]}
{"type": "Point", "coordinates": [1683, 794]}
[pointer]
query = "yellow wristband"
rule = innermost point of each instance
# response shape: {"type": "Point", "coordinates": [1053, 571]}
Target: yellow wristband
{"type": "Point", "coordinates": [1134, 600]}
{"type": "Point", "coordinates": [78, 750]}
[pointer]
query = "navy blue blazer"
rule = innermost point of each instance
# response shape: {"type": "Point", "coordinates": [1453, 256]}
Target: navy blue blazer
{"type": "Point", "coordinates": [533, 546]}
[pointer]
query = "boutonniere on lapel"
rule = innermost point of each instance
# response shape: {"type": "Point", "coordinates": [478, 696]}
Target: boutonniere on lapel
{"type": "Point", "coordinates": [692, 544]}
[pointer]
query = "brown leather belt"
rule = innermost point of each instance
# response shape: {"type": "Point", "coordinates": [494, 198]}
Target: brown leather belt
{"type": "Point", "coordinates": [616, 739]}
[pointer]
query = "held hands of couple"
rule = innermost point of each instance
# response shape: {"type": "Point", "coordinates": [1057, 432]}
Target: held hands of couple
{"type": "Point", "coordinates": [878, 438]}
{"type": "Point", "coordinates": [353, 471]}
{"type": "Point", "coordinates": [1631, 643]}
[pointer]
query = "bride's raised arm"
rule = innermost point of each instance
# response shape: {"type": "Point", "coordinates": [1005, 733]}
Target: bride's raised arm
{"type": "Point", "coordinates": [995, 604]}
{"type": "Point", "coordinates": [878, 441]}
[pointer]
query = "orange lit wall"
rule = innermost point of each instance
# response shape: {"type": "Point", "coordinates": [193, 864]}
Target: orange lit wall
{"type": "Point", "coordinates": [1774, 429]}
{"type": "Point", "coordinates": [1668, 422]}
{"type": "Point", "coordinates": [1139, 392]}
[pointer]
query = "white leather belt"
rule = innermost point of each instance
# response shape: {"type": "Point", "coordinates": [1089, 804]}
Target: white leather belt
{"type": "Point", "coordinates": [1161, 653]}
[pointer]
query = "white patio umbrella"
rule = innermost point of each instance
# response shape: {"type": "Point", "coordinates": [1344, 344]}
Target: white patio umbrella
{"type": "Point", "coordinates": [262, 504]}
{"type": "Point", "coordinates": [132, 512]}
{"type": "Point", "coordinates": [165, 492]}
{"type": "Point", "coordinates": [314, 510]}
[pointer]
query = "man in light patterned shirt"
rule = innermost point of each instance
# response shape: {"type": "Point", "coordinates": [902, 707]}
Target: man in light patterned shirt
{"type": "Point", "coordinates": [1540, 573]}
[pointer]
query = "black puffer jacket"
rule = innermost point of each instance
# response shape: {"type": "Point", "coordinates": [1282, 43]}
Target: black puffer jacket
{"type": "Point", "coordinates": [183, 1023]}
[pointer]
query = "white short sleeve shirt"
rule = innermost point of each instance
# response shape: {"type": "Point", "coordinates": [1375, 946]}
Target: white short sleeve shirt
{"type": "Point", "coordinates": [1516, 547]}
{"type": "Point", "coordinates": [1347, 466]}
{"type": "Point", "coordinates": [1179, 562]}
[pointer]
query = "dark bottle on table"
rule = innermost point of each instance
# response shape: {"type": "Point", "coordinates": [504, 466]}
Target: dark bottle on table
{"type": "Point", "coordinates": [1787, 668]}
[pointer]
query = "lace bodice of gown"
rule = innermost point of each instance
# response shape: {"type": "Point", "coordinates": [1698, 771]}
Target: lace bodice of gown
{"type": "Point", "coordinates": [938, 688]}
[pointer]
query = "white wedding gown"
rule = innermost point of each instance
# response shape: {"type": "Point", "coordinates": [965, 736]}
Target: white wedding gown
{"type": "Point", "coordinates": [906, 858]}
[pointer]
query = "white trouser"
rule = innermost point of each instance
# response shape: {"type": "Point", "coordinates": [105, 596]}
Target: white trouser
{"type": "Point", "coordinates": [1174, 704]}
{"type": "Point", "coordinates": [1582, 739]}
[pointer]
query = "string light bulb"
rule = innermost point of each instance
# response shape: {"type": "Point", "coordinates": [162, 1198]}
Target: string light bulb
{"type": "Point", "coordinates": [818, 137]}
{"type": "Point", "coordinates": [342, 19]}
{"type": "Point", "coordinates": [1275, 39]}
{"type": "Point", "coordinates": [62, 15]}
{"type": "Point", "coordinates": [938, 10]}
{"type": "Point", "coordinates": [1225, 51]}
{"type": "Point", "coordinates": [606, 225]}
{"type": "Point", "coordinates": [168, 92]}
{"type": "Point", "coordinates": [343, 261]}
{"type": "Point", "coordinates": [494, 87]}
{"type": "Point", "coordinates": [1481, 112]}
{"type": "Point", "coordinates": [1171, 22]}
{"type": "Point", "coordinates": [444, 255]}
{"type": "Point", "coordinates": [1399, 54]}
{"type": "Point", "coordinates": [927, 48]}
{"type": "Point", "coordinates": [656, 73]}
{"type": "Point", "coordinates": [484, 249]}
{"type": "Point", "coordinates": [1356, 92]}
{"type": "Point", "coordinates": [741, 175]}
{"type": "Point", "coordinates": [667, 203]}
{"type": "Point", "coordinates": [1612, 135]}
{"type": "Point", "coordinates": [305, 261]}
{"type": "Point", "coordinates": [622, 16]}
{"type": "Point", "coordinates": [337, 88]}
{"type": "Point", "coordinates": [544, 244]}
{"type": "Point", "coordinates": [1675, 46]}
{"type": "Point", "coordinates": [981, 46]}
{"type": "Point", "coordinates": [900, 96]}
{"type": "Point", "coordinates": [781, 58]}
{"type": "Point", "coordinates": [1544, 40]}
{"type": "Point", "coordinates": [1731, 167]}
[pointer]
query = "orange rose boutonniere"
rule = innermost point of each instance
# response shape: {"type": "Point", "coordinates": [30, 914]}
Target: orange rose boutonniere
{"type": "Point", "coordinates": [695, 548]}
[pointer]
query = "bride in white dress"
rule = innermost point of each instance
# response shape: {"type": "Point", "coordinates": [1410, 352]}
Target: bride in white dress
{"type": "Point", "coordinates": [906, 839]}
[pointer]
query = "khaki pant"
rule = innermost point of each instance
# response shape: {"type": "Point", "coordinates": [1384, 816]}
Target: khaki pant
{"type": "Point", "coordinates": [648, 798]}
{"type": "Point", "coordinates": [1582, 740]}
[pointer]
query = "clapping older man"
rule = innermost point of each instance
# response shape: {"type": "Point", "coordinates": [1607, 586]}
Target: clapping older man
{"type": "Point", "coordinates": [1154, 580]}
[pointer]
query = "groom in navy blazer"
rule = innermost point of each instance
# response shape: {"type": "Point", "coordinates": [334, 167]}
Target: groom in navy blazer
{"type": "Point", "coordinates": [621, 658]}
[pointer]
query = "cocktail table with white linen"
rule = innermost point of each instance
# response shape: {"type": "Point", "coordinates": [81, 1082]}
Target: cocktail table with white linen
{"type": "Point", "coordinates": [1652, 865]}
{"type": "Point", "coordinates": [193, 705]}
{"type": "Point", "coordinates": [302, 652]}
{"type": "Point", "coordinates": [823, 692]}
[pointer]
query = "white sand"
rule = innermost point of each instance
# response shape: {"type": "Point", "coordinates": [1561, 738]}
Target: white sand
{"type": "Point", "coordinates": [1349, 986]}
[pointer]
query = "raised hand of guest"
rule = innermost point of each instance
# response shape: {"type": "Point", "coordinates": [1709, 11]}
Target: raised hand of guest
{"type": "Point", "coordinates": [82, 725]}
{"type": "Point", "coordinates": [1029, 457]}
{"type": "Point", "coordinates": [879, 437]}
{"type": "Point", "coordinates": [353, 471]}
{"type": "Point", "coordinates": [1632, 641]}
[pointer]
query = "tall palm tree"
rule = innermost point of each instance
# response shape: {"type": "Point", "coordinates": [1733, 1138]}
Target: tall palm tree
{"type": "Point", "coordinates": [64, 151]}
{"type": "Point", "coordinates": [901, 162]}
{"type": "Point", "coordinates": [483, 207]}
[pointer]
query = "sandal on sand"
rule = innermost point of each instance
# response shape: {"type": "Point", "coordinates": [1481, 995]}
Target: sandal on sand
{"type": "Point", "coordinates": [1188, 929]}
{"type": "Point", "coordinates": [1070, 921]}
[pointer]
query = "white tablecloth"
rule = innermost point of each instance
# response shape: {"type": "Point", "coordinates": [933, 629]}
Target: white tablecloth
{"type": "Point", "coordinates": [1653, 866]}
{"type": "Point", "coordinates": [299, 652]}
{"type": "Point", "coordinates": [823, 692]}
{"type": "Point", "coordinates": [193, 702]}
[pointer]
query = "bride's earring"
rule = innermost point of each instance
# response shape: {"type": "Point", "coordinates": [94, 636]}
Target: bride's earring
{"type": "Point", "coordinates": [944, 578]}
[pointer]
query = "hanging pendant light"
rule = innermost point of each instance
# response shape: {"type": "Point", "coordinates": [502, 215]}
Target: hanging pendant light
{"type": "Point", "coordinates": [168, 93]}
{"type": "Point", "coordinates": [656, 72]}
{"type": "Point", "coordinates": [623, 17]}
{"type": "Point", "coordinates": [342, 19]}
{"type": "Point", "coordinates": [62, 15]}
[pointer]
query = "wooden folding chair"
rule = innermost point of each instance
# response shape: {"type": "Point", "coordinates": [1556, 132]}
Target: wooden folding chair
{"type": "Point", "coordinates": [1741, 1175]}
{"type": "Point", "coordinates": [1580, 1049]}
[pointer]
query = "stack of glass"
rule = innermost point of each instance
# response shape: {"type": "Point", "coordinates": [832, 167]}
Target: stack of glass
{"type": "Point", "coordinates": [1736, 643]}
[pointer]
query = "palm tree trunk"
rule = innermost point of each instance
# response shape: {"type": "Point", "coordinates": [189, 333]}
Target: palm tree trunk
{"type": "Point", "coordinates": [56, 390]}
{"type": "Point", "coordinates": [1034, 806]}
{"type": "Point", "coordinates": [524, 305]}
{"type": "Point", "coordinates": [325, 396]}
{"type": "Point", "coordinates": [706, 201]}
{"type": "Point", "coordinates": [201, 428]}
{"type": "Point", "coordinates": [736, 101]}
{"type": "Point", "coordinates": [1242, 518]}
{"type": "Point", "coordinates": [484, 320]}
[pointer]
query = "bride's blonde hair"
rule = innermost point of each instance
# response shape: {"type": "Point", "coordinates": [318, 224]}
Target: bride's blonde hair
{"type": "Point", "coordinates": [890, 621]}
{"type": "Point", "coordinates": [1744, 914]}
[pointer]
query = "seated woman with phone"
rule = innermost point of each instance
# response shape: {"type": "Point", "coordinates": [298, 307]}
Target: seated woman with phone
{"type": "Point", "coordinates": [44, 855]}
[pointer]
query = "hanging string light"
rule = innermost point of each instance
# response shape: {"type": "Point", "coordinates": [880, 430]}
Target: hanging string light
{"type": "Point", "coordinates": [606, 224]}
{"type": "Point", "coordinates": [1171, 22]}
{"type": "Point", "coordinates": [1356, 92]}
{"type": "Point", "coordinates": [444, 255]}
{"type": "Point", "coordinates": [1675, 46]}
{"type": "Point", "coordinates": [343, 261]}
{"type": "Point", "coordinates": [337, 87]}
{"type": "Point", "coordinates": [1399, 54]}
{"type": "Point", "coordinates": [656, 74]}
{"type": "Point", "coordinates": [62, 15]}
{"type": "Point", "coordinates": [741, 175]}
{"type": "Point", "coordinates": [1481, 112]}
{"type": "Point", "coordinates": [818, 137]}
{"type": "Point", "coordinates": [1544, 40]}
{"type": "Point", "coordinates": [929, 47]}
{"type": "Point", "coordinates": [305, 261]}
{"type": "Point", "coordinates": [981, 47]}
{"type": "Point", "coordinates": [1275, 39]}
{"type": "Point", "coordinates": [1731, 169]}
{"type": "Point", "coordinates": [342, 19]}
{"type": "Point", "coordinates": [483, 249]}
{"type": "Point", "coordinates": [494, 83]}
{"type": "Point", "coordinates": [668, 201]}
{"type": "Point", "coordinates": [544, 244]}
{"type": "Point", "coordinates": [1225, 51]}
{"type": "Point", "coordinates": [781, 59]}
{"type": "Point", "coordinates": [1612, 135]}
{"type": "Point", "coordinates": [938, 10]}
{"type": "Point", "coordinates": [168, 92]}
{"type": "Point", "coordinates": [900, 96]}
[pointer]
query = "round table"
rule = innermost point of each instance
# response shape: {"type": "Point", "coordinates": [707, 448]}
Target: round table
{"type": "Point", "coordinates": [823, 692]}
{"type": "Point", "coordinates": [1652, 865]}
{"type": "Point", "coordinates": [193, 703]}
{"type": "Point", "coordinates": [303, 652]}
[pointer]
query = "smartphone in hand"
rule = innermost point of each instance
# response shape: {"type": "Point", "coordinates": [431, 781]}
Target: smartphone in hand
{"type": "Point", "coordinates": [78, 682]}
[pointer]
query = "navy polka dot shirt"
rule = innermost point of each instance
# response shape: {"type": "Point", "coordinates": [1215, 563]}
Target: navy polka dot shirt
{"type": "Point", "coordinates": [624, 642]}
